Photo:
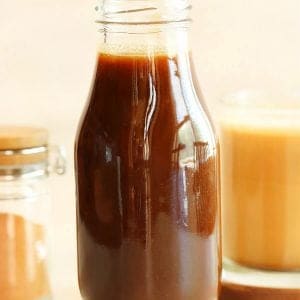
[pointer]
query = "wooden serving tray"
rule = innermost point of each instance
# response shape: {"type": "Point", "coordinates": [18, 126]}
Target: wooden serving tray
{"type": "Point", "coordinates": [238, 292]}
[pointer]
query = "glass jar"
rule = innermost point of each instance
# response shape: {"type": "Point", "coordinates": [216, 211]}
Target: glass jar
{"type": "Point", "coordinates": [146, 163]}
{"type": "Point", "coordinates": [25, 212]}
{"type": "Point", "coordinates": [260, 175]}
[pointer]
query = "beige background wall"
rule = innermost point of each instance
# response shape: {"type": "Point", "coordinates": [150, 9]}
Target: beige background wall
{"type": "Point", "coordinates": [47, 53]}
{"type": "Point", "coordinates": [47, 50]}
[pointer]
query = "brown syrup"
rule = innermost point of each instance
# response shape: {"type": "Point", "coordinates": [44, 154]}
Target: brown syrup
{"type": "Point", "coordinates": [146, 185]}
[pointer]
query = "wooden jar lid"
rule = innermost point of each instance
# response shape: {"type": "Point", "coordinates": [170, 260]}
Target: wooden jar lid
{"type": "Point", "coordinates": [22, 145]}
{"type": "Point", "coordinates": [21, 137]}
{"type": "Point", "coordinates": [239, 292]}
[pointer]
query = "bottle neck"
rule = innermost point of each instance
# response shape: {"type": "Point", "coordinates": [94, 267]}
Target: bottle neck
{"type": "Point", "coordinates": [144, 26]}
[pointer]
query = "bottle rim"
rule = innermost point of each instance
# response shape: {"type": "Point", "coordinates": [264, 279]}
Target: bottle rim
{"type": "Point", "coordinates": [255, 109]}
{"type": "Point", "coordinates": [262, 100]}
{"type": "Point", "coordinates": [141, 12]}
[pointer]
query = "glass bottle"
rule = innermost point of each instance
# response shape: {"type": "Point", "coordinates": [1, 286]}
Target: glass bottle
{"type": "Point", "coordinates": [146, 163]}
{"type": "Point", "coordinates": [25, 212]}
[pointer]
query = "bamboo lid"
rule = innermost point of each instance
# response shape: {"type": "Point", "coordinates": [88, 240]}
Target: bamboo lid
{"type": "Point", "coordinates": [20, 137]}
{"type": "Point", "coordinates": [239, 292]}
{"type": "Point", "coordinates": [22, 145]}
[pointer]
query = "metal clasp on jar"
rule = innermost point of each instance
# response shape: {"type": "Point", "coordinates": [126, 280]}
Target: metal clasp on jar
{"type": "Point", "coordinates": [57, 161]}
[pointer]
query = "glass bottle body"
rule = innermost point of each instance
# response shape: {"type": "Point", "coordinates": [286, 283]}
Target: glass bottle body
{"type": "Point", "coordinates": [147, 179]}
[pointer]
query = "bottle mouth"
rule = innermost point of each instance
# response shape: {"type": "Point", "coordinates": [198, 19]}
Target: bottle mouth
{"type": "Point", "coordinates": [143, 12]}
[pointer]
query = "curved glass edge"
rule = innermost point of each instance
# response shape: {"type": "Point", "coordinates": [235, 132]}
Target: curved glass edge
{"type": "Point", "coordinates": [237, 274]}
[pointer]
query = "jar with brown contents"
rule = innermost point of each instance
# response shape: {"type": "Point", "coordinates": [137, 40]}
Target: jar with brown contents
{"type": "Point", "coordinates": [146, 164]}
{"type": "Point", "coordinates": [24, 213]}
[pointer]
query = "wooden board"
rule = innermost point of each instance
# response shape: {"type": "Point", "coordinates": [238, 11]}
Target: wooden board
{"type": "Point", "coordinates": [237, 292]}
